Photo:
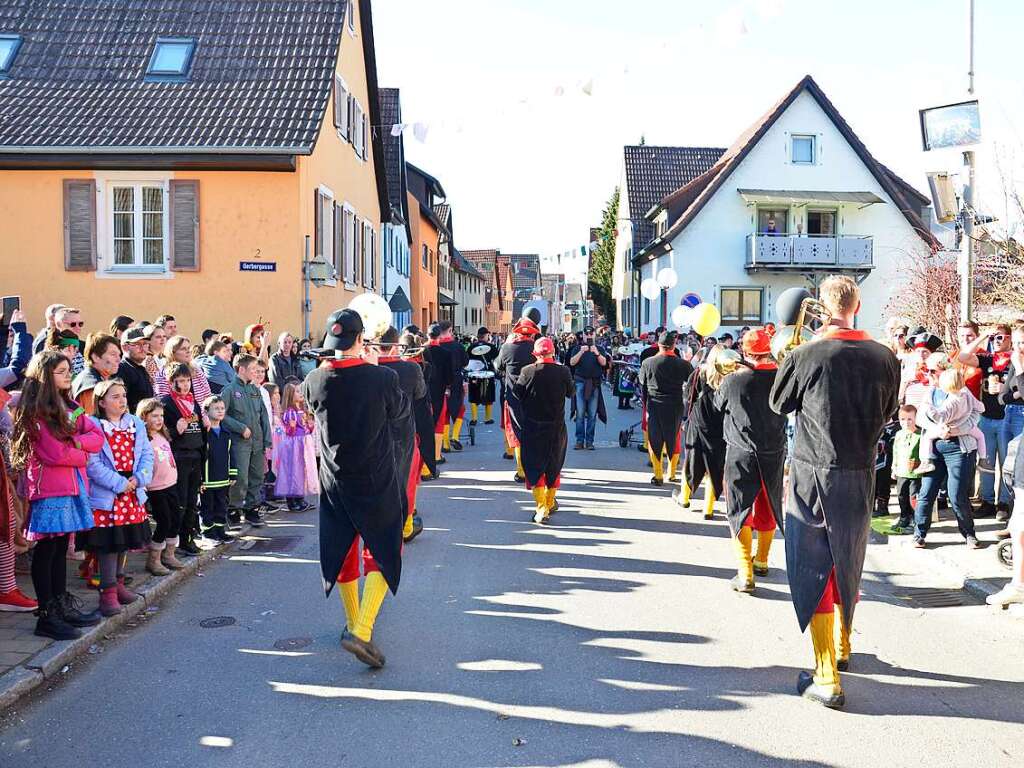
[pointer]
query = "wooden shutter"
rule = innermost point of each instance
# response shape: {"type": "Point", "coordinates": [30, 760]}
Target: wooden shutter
{"type": "Point", "coordinates": [79, 224]}
{"type": "Point", "coordinates": [184, 225]}
{"type": "Point", "coordinates": [373, 259]}
{"type": "Point", "coordinates": [357, 250]}
{"type": "Point", "coordinates": [339, 239]}
{"type": "Point", "coordinates": [318, 226]}
{"type": "Point", "coordinates": [337, 102]}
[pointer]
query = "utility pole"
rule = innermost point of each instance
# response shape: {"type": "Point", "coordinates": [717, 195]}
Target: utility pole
{"type": "Point", "coordinates": [965, 261]}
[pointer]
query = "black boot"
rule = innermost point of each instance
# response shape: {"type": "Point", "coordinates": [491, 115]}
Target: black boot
{"type": "Point", "coordinates": [70, 608]}
{"type": "Point", "coordinates": [188, 545]}
{"type": "Point", "coordinates": [50, 624]}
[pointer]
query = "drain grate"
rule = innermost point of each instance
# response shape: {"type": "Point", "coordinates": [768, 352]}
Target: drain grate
{"type": "Point", "coordinates": [217, 621]}
{"type": "Point", "coordinates": [293, 643]}
{"type": "Point", "coordinates": [276, 544]}
{"type": "Point", "coordinates": [935, 598]}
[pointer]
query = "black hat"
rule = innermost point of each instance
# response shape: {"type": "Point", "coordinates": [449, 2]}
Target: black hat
{"type": "Point", "coordinates": [589, 329]}
{"type": "Point", "coordinates": [434, 331]}
{"type": "Point", "coordinates": [667, 339]}
{"type": "Point", "coordinates": [482, 331]}
{"type": "Point", "coordinates": [928, 341]}
{"type": "Point", "coordinates": [133, 335]}
{"type": "Point", "coordinates": [390, 336]}
{"type": "Point", "coordinates": [342, 329]}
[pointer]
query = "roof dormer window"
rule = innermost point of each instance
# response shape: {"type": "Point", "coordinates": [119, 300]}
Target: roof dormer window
{"type": "Point", "coordinates": [172, 57]}
{"type": "Point", "coordinates": [9, 45]}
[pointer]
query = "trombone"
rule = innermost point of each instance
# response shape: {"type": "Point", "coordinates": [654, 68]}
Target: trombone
{"type": "Point", "coordinates": [787, 338]}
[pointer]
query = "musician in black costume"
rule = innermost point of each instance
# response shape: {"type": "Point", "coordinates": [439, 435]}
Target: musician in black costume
{"type": "Point", "coordinates": [455, 399]}
{"type": "Point", "coordinates": [662, 379]}
{"type": "Point", "coordinates": [843, 386]}
{"type": "Point", "coordinates": [514, 355]}
{"type": "Point", "coordinates": [438, 383]}
{"type": "Point", "coordinates": [482, 391]}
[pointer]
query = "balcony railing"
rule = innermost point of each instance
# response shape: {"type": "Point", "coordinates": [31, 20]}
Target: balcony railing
{"type": "Point", "coordinates": [809, 251]}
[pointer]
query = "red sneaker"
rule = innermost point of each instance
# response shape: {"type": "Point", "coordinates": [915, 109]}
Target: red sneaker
{"type": "Point", "coordinates": [14, 601]}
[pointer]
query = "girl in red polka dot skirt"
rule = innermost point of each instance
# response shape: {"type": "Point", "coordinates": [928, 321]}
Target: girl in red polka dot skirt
{"type": "Point", "coordinates": [118, 476]}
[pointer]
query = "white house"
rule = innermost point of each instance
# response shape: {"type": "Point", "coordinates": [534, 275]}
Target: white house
{"type": "Point", "coordinates": [648, 174]}
{"type": "Point", "coordinates": [469, 295]}
{"type": "Point", "coordinates": [396, 236]}
{"type": "Point", "coordinates": [798, 197]}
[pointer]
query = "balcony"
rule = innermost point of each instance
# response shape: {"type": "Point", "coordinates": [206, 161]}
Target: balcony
{"type": "Point", "coordinates": [796, 253]}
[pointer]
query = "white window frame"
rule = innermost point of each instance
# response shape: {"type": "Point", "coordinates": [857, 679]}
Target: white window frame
{"type": "Point", "coordinates": [742, 321]}
{"type": "Point", "coordinates": [792, 147]}
{"type": "Point", "coordinates": [345, 129]}
{"type": "Point", "coordinates": [358, 129]}
{"type": "Point", "coordinates": [366, 275]}
{"type": "Point", "coordinates": [105, 237]}
{"type": "Point", "coordinates": [348, 264]}
{"type": "Point", "coordinates": [351, 20]}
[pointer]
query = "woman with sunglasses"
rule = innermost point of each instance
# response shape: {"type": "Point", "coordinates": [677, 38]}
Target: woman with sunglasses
{"type": "Point", "coordinates": [992, 368]}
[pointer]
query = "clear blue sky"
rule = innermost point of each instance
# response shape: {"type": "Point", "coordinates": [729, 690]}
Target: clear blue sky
{"type": "Point", "coordinates": [528, 159]}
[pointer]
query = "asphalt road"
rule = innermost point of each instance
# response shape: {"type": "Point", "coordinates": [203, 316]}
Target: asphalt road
{"type": "Point", "coordinates": [610, 638]}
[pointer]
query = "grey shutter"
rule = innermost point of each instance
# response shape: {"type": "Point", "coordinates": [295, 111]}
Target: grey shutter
{"type": "Point", "coordinates": [365, 121]}
{"type": "Point", "coordinates": [79, 224]}
{"type": "Point", "coordinates": [337, 102]}
{"type": "Point", "coordinates": [318, 226]}
{"type": "Point", "coordinates": [184, 225]}
{"type": "Point", "coordinates": [350, 107]}
{"type": "Point", "coordinates": [357, 252]}
{"type": "Point", "coordinates": [339, 239]}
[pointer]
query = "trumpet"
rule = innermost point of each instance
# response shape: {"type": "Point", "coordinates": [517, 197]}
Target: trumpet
{"type": "Point", "coordinates": [728, 361]}
{"type": "Point", "coordinates": [787, 338]}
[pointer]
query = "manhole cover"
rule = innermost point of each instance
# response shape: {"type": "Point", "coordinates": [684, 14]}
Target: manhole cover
{"type": "Point", "coordinates": [276, 544]}
{"type": "Point", "coordinates": [293, 643]}
{"type": "Point", "coordinates": [217, 621]}
{"type": "Point", "coordinates": [936, 598]}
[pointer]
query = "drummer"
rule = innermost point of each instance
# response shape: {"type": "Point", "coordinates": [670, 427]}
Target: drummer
{"type": "Point", "coordinates": [482, 388]}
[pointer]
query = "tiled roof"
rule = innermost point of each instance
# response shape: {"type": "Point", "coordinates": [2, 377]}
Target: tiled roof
{"type": "Point", "coordinates": [484, 260]}
{"type": "Point", "coordinates": [260, 76]}
{"type": "Point", "coordinates": [462, 264]}
{"type": "Point", "coordinates": [525, 278]}
{"type": "Point", "coordinates": [691, 198]}
{"type": "Point", "coordinates": [443, 212]}
{"type": "Point", "coordinates": [654, 172]}
{"type": "Point", "coordinates": [394, 150]}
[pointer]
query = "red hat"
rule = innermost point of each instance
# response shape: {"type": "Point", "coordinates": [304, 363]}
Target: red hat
{"type": "Point", "coordinates": [757, 342]}
{"type": "Point", "coordinates": [543, 347]}
{"type": "Point", "coordinates": [526, 327]}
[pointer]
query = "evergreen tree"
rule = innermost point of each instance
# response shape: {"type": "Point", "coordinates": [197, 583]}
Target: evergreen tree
{"type": "Point", "coordinates": [602, 260]}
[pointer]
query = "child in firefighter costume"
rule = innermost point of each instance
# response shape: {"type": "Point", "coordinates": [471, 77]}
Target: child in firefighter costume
{"type": "Point", "coordinates": [843, 386]}
{"type": "Point", "coordinates": [514, 355]}
{"type": "Point", "coordinates": [755, 457]}
{"type": "Point", "coordinates": [704, 446]}
{"type": "Point", "coordinates": [662, 379]}
{"type": "Point", "coordinates": [542, 389]}
{"type": "Point", "coordinates": [355, 403]}
{"type": "Point", "coordinates": [481, 390]}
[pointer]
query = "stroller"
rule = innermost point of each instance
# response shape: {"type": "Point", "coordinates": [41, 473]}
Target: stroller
{"type": "Point", "coordinates": [627, 370]}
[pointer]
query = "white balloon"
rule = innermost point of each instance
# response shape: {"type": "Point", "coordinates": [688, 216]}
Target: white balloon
{"type": "Point", "coordinates": [650, 289]}
{"type": "Point", "coordinates": [681, 317]}
{"type": "Point", "coordinates": [667, 278]}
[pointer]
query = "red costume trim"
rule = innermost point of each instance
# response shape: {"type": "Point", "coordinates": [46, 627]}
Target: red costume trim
{"type": "Point", "coordinates": [388, 359]}
{"type": "Point", "coordinates": [761, 517]}
{"type": "Point", "coordinates": [350, 567]}
{"type": "Point", "coordinates": [347, 362]}
{"type": "Point", "coordinates": [847, 334]}
{"type": "Point", "coordinates": [766, 367]}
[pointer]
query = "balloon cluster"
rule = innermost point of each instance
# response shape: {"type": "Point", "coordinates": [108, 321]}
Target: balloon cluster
{"type": "Point", "coordinates": [666, 280]}
{"type": "Point", "coordinates": [703, 318]}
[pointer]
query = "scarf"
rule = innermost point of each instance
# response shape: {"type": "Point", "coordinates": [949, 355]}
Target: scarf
{"type": "Point", "coordinates": [186, 404]}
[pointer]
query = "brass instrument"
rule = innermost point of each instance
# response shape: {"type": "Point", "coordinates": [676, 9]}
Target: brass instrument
{"type": "Point", "coordinates": [728, 361]}
{"type": "Point", "coordinates": [789, 337]}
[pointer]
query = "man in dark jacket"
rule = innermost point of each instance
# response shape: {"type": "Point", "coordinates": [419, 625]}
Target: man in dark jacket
{"type": "Point", "coordinates": [131, 371]}
{"type": "Point", "coordinates": [843, 387]}
{"type": "Point", "coordinates": [355, 402]}
{"type": "Point", "coordinates": [588, 364]}
{"type": "Point", "coordinates": [755, 457]}
{"type": "Point", "coordinates": [514, 355]}
{"type": "Point", "coordinates": [455, 400]}
{"type": "Point", "coordinates": [438, 383]}
{"type": "Point", "coordinates": [542, 389]}
{"type": "Point", "coordinates": [662, 378]}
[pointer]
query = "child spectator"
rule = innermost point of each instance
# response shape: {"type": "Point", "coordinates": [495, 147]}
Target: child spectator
{"type": "Point", "coordinates": [178, 350]}
{"type": "Point", "coordinates": [247, 420]}
{"type": "Point", "coordinates": [216, 364]}
{"type": "Point", "coordinates": [905, 462]}
{"type": "Point", "coordinates": [295, 477]}
{"type": "Point", "coordinates": [276, 433]}
{"type": "Point", "coordinates": [118, 475]}
{"type": "Point", "coordinates": [163, 496]}
{"type": "Point", "coordinates": [51, 442]}
{"type": "Point", "coordinates": [185, 419]}
{"type": "Point", "coordinates": [954, 414]}
{"type": "Point", "coordinates": [219, 472]}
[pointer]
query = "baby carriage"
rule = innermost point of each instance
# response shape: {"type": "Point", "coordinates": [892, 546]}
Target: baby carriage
{"type": "Point", "coordinates": [627, 369]}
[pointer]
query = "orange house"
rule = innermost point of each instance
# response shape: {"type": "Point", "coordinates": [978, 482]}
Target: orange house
{"type": "Point", "coordinates": [424, 193]}
{"type": "Point", "coordinates": [187, 161]}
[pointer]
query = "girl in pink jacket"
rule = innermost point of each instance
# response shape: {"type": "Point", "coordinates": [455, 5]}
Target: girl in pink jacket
{"type": "Point", "coordinates": [51, 442]}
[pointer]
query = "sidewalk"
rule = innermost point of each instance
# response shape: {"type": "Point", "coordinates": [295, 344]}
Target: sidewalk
{"type": "Point", "coordinates": [978, 570]}
{"type": "Point", "coordinates": [27, 661]}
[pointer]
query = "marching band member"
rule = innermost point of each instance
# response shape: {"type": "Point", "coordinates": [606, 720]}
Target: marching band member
{"type": "Point", "coordinates": [438, 383]}
{"type": "Point", "coordinates": [481, 391]}
{"type": "Point", "coordinates": [843, 387]}
{"type": "Point", "coordinates": [542, 389]}
{"type": "Point", "coordinates": [407, 455]}
{"type": "Point", "coordinates": [456, 399]}
{"type": "Point", "coordinates": [704, 443]}
{"type": "Point", "coordinates": [649, 351]}
{"type": "Point", "coordinates": [755, 456]}
{"type": "Point", "coordinates": [514, 355]}
{"type": "Point", "coordinates": [355, 402]}
{"type": "Point", "coordinates": [662, 379]}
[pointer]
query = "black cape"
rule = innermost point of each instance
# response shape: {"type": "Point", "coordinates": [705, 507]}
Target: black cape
{"type": "Point", "coordinates": [423, 415]}
{"type": "Point", "coordinates": [704, 445]}
{"type": "Point", "coordinates": [755, 443]}
{"type": "Point", "coordinates": [481, 391]}
{"type": "Point", "coordinates": [439, 377]}
{"type": "Point", "coordinates": [843, 388]}
{"type": "Point", "coordinates": [663, 378]}
{"type": "Point", "coordinates": [355, 404]}
{"type": "Point", "coordinates": [457, 359]}
{"type": "Point", "coordinates": [403, 431]}
{"type": "Point", "coordinates": [542, 389]}
{"type": "Point", "coordinates": [512, 358]}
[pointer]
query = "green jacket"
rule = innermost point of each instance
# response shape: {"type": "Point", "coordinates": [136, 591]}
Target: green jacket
{"type": "Point", "coordinates": [245, 409]}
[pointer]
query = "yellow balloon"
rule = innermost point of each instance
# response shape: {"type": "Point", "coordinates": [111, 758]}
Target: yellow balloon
{"type": "Point", "coordinates": [705, 319]}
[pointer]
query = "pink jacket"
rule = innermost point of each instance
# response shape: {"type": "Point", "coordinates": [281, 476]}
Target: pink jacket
{"type": "Point", "coordinates": [51, 468]}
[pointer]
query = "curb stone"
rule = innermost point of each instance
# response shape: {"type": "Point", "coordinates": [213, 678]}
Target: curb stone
{"type": "Point", "coordinates": [48, 663]}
